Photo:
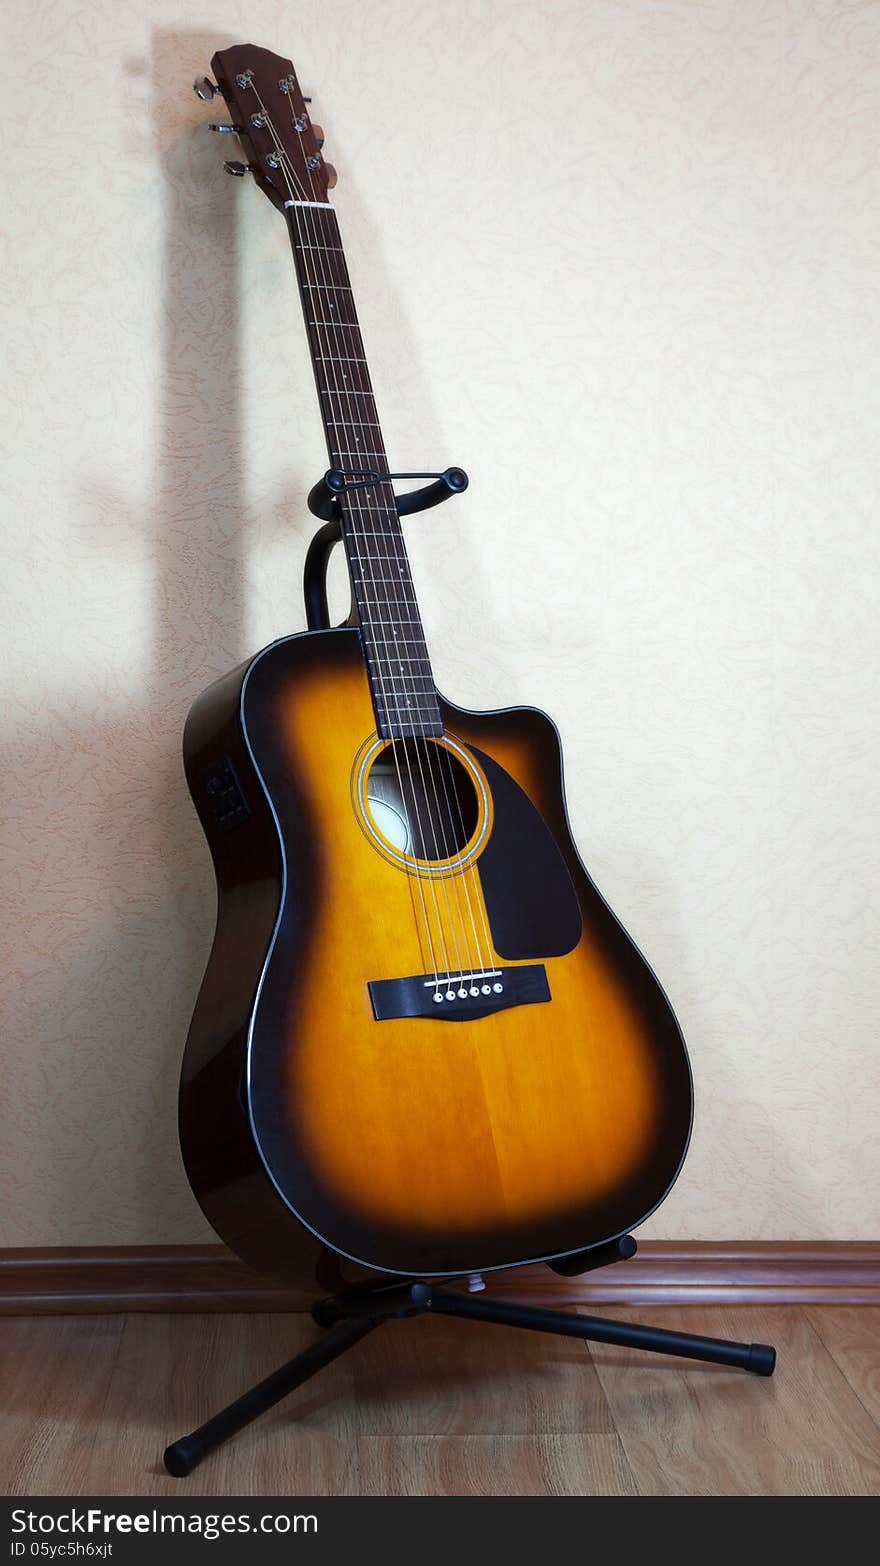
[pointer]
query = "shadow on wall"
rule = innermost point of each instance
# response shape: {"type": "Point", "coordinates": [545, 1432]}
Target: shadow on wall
{"type": "Point", "coordinates": [125, 910]}
{"type": "Point", "coordinates": [112, 1024]}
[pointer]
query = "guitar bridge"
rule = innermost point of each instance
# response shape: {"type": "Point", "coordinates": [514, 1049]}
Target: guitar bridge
{"type": "Point", "coordinates": [459, 997]}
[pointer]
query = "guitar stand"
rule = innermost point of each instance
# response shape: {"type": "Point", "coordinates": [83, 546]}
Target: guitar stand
{"type": "Point", "coordinates": [349, 1317]}
{"type": "Point", "coordinates": [324, 504]}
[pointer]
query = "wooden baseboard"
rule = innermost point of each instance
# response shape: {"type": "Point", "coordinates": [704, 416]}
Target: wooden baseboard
{"type": "Point", "coordinates": [98, 1279]}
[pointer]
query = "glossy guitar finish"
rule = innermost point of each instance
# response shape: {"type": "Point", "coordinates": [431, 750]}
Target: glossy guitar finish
{"type": "Point", "coordinates": [424, 1046]}
{"type": "Point", "coordinates": [417, 1146]}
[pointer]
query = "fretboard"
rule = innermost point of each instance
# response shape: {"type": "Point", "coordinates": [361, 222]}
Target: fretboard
{"type": "Point", "coordinates": [404, 697]}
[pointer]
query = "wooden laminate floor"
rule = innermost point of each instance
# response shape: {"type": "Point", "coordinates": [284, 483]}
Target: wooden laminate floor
{"type": "Point", "coordinates": [440, 1407]}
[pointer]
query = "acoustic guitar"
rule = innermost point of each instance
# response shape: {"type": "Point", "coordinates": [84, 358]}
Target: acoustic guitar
{"type": "Point", "coordinates": [424, 1045]}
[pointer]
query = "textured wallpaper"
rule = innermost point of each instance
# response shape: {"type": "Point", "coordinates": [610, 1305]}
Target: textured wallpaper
{"type": "Point", "coordinates": [621, 262]}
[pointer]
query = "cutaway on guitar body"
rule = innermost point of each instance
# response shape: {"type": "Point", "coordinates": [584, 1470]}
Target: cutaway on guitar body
{"type": "Point", "coordinates": [424, 1046]}
{"type": "Point", "coordinates": [402, 1144]}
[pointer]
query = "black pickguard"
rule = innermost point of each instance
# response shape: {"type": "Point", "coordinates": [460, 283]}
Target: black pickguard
{"type": "Point", "coordinates": [530, 898]}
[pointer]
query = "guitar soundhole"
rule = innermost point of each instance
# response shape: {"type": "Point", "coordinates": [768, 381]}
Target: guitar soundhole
{"type": "Point", "coordinates": [424, 803]}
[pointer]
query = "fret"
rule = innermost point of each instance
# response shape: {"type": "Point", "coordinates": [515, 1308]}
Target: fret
{"type": "Point", "coordinates": [385, 514]}
{"type": "Point", "coordinates": [343, 421]}
{"type": "Point", "coordinates": [384, 628]}
{"type": "Point", "coordinates": [394, 730]}
{"type": "Point", "coordinates": [413, 658]}
{"type": "Point", "coordinates": [420, 681]}
{"type": "Point", "coordinates": [345, 451]}
{"type": "Point", "coordinates": [414, 639]}
{"type": "Point", "coordinates": [385, 598]}
{"type": "Point", "coordinates": [405, 685]}
{"type": "Point", "coordinates": [408, 710]}
{"type": "Point", "coordinates": [401, 685]}
{"type": "Point", "coordinates": [377, 554]}
{"type": "Point", "coordinates": [376, 623]}
{"type": "Point", "coordinates": [383, 509]}
{"type": "Point", "coordinates": [393, 649]}
{"type": "Point", "coordinates": [401, 700]}
{"type": "Point", "coordinates": [348, 425]}
{"type": "Point", "coordinates": [394, 646]}
{"type": "Point", "coordinates": [400, 561]}
{"type": "Point", "coordinates": [405, 676]}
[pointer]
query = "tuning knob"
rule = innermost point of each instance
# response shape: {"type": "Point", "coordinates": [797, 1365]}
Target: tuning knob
{"type": "Point", "coordinates": [318, 133]}
{"type": "Point", "coordinates": [238, 169]}
{"type": "Point", "coordinates": [204, 88]}
{"type": "Point", "coordinates": [332, 175]}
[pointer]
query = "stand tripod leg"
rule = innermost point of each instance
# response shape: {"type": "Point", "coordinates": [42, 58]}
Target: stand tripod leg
{"type": "Point", "coordinates": [184, 1455]}
{"type": "Point", "coordinates": [759, 1358]}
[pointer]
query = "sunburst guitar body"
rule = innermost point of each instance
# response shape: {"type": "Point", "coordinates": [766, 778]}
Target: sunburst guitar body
{"type": "Point", "coordinates": [424, 1045]}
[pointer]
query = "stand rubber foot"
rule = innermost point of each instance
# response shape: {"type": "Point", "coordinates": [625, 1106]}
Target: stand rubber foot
{"type": "Point", "coordinates": [181, 1457]}
{"type": "Point", "coordinates": [762, 1359]}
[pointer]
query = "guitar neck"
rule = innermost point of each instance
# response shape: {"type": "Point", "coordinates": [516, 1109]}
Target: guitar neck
{"type": "Point", "coordinates": [404, 696]}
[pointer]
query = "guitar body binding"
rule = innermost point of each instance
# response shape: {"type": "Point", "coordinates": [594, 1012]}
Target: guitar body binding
{"type": "Point", "coordinates": [333, 1144]}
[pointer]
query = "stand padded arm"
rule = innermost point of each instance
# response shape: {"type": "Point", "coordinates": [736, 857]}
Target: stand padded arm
{"type": "Point", "coordinates": [324, 503]}
{"type": "Point", "coordinates": [324, 496]}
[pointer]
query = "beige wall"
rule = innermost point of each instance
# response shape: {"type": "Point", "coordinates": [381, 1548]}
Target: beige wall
{"type": "Point", "coordinates": [635, 241]}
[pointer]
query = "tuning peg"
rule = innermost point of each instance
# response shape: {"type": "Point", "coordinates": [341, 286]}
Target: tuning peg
{"type": "Point", "coordinates": [332, 175]}
{"type": "Point", "coordinates": [318, 133]}
{"type": "Point", "coordinates": [238, 169]}
{"type": "Point", "coordinates": [204, 88]}
{"type": "Point", "coordinates": [226, 130]}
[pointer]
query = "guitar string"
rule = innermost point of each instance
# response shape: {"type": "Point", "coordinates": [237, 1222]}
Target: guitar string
{"type": "Point", "coordinates": [461, 879]}
{"type": "Point", "coordinates": [329, 284]}
{"type": "Point", "coordinates": [469, 871]}
{"type": "Point", "coordinates": [305, 220]}
{"type": "Point", "coordinates": [307, 224]}
{"type": "Point", "coordinates": [393, 586]}
{"type": "Point", "coordinates": [445, 769]}
{"type": "Point", "coordinates": [395, 540]}
{"type": "Point", "coordinates": [290, 174]}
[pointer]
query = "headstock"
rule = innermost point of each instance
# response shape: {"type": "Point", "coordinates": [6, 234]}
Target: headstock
{"type": "Point", "coordinates": [268, 113]}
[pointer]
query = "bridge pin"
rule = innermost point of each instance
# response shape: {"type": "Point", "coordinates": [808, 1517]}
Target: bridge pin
{"type": "Point", "coordinates": [475, 989]}
{"type": "Point", "coordinates": [498, 988]}
{"type": "Point", "coordinates": [450, 995]}
{"type": "Point", "coordinates": [437, 997]}
{"type": "Point", "coordinates": [486, 988]}
{"type": "Point", "coordinates": [462, 994]}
